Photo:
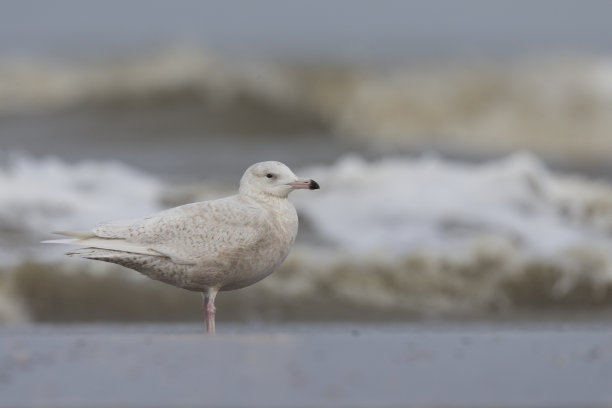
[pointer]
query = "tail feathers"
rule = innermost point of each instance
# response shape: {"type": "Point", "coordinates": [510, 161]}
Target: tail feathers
{"type": "Point", "coordinates": [76, 234]}
{"type": "Point", "coordinates": [90, 240]}
{"type": "Point", "coordinates": [60, 241]}
{"type": "Point", "coordinates": [74, 237]}
{"type": "Point", "coordinates": [104, 246]}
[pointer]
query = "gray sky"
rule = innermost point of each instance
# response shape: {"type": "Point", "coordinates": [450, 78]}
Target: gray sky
{"type": "Point", "coordinates": [339, 29]}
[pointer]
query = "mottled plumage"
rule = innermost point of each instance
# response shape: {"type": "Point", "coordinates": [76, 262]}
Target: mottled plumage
{"type": "Point", "coordinates": [210, 246]}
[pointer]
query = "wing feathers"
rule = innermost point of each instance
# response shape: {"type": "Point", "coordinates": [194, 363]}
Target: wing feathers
{"type": "Point", "coordinates": [92, 241]}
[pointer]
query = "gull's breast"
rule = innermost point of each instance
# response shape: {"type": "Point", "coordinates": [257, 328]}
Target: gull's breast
{"type": "Point", "coordinates": [267, 252]}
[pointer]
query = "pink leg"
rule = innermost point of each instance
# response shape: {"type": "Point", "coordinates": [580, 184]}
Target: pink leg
{"type": "Point", "coordinates": [208, 310]}
{"type": "Point", "coordinates": [204, 308]}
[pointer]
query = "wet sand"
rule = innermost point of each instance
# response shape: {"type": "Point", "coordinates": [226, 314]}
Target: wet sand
{"type": "Point", "coordinates": [451, 365]}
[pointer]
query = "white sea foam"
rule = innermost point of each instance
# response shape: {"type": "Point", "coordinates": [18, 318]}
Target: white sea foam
{"type": "Point", "coordinates": [402, 205]}
{"type": "Point", "coordinates": [38, 196]}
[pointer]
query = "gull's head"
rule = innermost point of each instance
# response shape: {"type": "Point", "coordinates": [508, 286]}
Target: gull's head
{"type": "Point", "coordinates": [273, 178]}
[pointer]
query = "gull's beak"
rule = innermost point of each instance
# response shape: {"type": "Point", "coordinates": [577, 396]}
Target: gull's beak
{"type": "Point", "coordinates": [305, 184]}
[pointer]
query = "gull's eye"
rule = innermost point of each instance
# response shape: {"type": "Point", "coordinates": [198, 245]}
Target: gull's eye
{"type": "Point", "coordinates": [269, 175]}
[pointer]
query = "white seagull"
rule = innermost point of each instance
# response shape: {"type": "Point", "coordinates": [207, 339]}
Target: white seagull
{"type": "Point", "coordinates": [210, 246]}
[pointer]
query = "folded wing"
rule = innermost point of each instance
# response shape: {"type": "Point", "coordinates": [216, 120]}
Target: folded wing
{"type": "Point", "coordinates": [187, 234]}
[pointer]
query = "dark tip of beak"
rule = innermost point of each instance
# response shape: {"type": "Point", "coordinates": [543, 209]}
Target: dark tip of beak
{"type": "Point", "coordinates": [313, 185]}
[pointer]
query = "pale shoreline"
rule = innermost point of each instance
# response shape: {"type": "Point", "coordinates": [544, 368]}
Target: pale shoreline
{"type": "Point", "coordinates": [332, 365]}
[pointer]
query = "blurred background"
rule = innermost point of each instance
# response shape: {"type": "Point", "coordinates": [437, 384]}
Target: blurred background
{"type": "Point", "coordinates": [463, 151]}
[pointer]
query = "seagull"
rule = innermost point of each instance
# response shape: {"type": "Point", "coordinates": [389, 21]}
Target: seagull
{"type": "Point", "coordinates": [209, 246]}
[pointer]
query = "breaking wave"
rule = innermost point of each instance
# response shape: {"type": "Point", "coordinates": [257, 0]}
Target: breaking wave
{"type": "Point", "coordinates": [437, 237]}
{"type": "Point", "coordinates": [557, 107]}
{"type": "Point", "coordinates": [409, 236]}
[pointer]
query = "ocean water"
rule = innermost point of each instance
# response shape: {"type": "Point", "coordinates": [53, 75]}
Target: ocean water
{"type": "Point", "coordinates": [464, 175]}
{"type": "Point", "coordinates": [556, 106]}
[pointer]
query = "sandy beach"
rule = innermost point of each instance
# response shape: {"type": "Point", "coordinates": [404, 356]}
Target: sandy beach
{"type": "Point", "coordinates": [418, 365]}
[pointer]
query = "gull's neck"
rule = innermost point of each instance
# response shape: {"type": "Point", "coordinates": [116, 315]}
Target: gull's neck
{"type": "Point", "coordinates": [267, 199]}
